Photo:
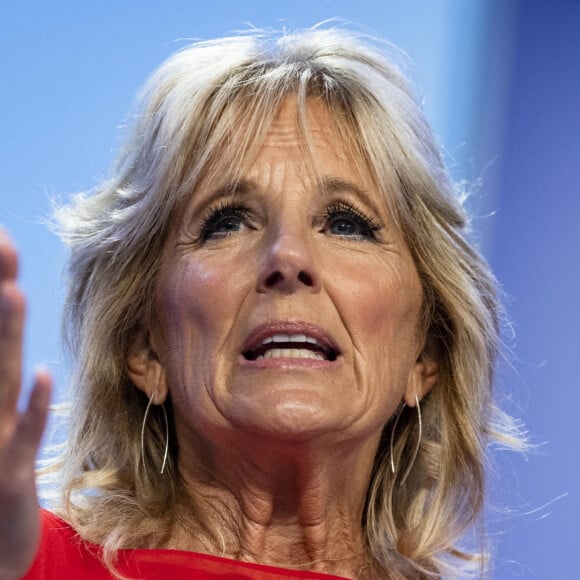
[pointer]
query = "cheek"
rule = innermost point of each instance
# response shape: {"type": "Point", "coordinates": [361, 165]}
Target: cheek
{"type": "Point", "coordinates": [386, 302]}
{"type": "Point", "coordinates": [196, 297]}
{"type": "Point", "coordinates": [198, 301]}
{"type": "Point", "coordinates": [382, 311]}
{"type": "Point", "coordinates": [185, 300]}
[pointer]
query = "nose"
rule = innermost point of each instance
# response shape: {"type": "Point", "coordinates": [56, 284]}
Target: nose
{"type": "Point", "coordinates": [289, 263]}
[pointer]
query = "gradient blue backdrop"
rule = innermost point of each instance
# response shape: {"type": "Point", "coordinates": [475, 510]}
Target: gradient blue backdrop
{"type": "Point", "coordinates": [501, 85]}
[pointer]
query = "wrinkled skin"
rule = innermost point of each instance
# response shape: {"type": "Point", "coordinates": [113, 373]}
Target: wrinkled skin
{"type": "Point", "coordinates": [280, 443]}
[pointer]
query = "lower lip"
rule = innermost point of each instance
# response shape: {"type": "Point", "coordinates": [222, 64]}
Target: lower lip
{"type": "Point", "coordinates": [290, 363]}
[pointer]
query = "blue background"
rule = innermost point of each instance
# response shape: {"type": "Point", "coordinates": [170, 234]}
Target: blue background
{"type": "Point", "coordinates": [501, 85]}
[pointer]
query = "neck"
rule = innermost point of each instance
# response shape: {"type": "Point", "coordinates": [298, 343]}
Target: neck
{"type": "Point", "coordinates": [288, 505]}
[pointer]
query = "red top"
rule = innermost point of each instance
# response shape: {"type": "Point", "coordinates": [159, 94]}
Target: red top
{"type": "Point", "coordinates": [62, 555]}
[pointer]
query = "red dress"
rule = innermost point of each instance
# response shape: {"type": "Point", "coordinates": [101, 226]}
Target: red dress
{"type": "Point", "coordinates": [63, 556]}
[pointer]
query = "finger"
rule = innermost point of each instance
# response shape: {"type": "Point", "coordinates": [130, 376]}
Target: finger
{"type": "Point", "coordinates": [33, 421]}
{"type": "Point", "coordinates": [8, 257]}
{"type": "Point", "coordinates": [11, 330]}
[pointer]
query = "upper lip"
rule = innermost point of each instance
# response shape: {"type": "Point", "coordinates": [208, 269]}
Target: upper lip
{"type": "Point", "coordinates": [312, 335]}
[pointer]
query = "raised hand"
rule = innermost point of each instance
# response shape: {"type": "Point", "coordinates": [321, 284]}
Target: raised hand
{"type": "Point", "coordinates": [20, 433]}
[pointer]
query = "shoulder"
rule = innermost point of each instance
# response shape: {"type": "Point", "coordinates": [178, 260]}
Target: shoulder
{"type": "Point", "coordinates": [54, 527]}
{"type": "Point", "coordinates": [61, 553]}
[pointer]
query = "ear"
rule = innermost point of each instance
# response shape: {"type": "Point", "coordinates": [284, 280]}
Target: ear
{"type": "Point", "coordinates": [145, 369]}
{"type": "Point", "coordinates": [425, 373]}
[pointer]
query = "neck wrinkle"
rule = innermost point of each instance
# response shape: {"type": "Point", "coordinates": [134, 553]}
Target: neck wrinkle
{"type": "Point", "coordinates": [294, 507]}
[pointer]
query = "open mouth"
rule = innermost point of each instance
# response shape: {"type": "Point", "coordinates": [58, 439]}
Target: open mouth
{"type": "Point", "coordinates": [291, 346]}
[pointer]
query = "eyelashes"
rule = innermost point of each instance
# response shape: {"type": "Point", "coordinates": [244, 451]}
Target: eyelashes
{"type": "Point", "coordinates": [340, 218]}
{"type": "Point", "coordinates": [344, 219]}
{"type": "Point", "coordinates": [224, 220]}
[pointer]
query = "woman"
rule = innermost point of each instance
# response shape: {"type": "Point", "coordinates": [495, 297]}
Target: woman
{"type": "Point", "coordinates": [284, 343]}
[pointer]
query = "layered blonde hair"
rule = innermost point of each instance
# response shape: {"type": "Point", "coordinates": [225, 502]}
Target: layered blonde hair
{"type": "Point", "coordinates": [204, 113]}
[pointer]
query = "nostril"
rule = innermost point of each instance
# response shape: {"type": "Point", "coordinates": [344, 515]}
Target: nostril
{"type": "Point", "coordinates": [274, 278]}
{"type": "Point", "coordinates": [277, 277]}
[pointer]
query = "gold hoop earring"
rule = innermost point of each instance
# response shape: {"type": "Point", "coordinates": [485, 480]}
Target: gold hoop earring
{"type": "Point", "coordinates": [417, 446]}
{"type": "Point", "coordinates": [166, 452]}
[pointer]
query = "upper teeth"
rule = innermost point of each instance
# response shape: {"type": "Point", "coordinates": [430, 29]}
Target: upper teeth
{"type": "Point", "coordinates": [290, 338]}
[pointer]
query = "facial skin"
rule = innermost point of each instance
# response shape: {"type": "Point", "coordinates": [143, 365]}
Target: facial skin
{"type": "Point", "coordinates": [276, 454]}
{"type": "Point", "coordinates": [283, 256]}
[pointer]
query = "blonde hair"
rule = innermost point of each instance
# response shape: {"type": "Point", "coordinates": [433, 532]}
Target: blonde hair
{"type": "Point", "coordinates": [204, 113]}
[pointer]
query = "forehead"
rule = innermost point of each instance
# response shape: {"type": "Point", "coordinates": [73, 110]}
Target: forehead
{"type": "Point", "coordinates": [293, 125]}
{"type": "Point", "coordinates": [309, 141]}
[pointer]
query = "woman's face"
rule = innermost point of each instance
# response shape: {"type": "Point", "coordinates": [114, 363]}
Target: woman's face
{"type": "Point", "coordinates": [290, 308]}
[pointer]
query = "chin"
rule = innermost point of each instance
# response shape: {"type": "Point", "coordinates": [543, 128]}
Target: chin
{"type": "Point", "coordinates": [298, 418]}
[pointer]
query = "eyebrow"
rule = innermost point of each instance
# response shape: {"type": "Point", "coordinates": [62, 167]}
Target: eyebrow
{"type": "Point", "coordinates": [231, 189]}
{"type": "Point", "coordinates": [326, 185]}
{"type": "Point", "coordinates": [332, 185]}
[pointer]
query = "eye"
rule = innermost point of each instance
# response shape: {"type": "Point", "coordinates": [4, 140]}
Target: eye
{"type": "Point", "coordinates": [224, 221]}
{"type": "Point", "coordinates": [346, 221]}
